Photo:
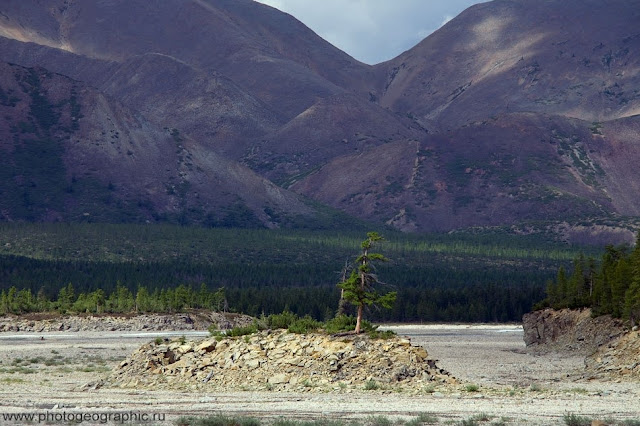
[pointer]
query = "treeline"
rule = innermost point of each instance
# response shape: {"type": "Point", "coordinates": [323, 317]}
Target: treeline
{"type": "Point", "coordinates": [611, 286]}
{"type": "Point", "coordinates": [437, 277]}
{"type": "Point", "coordinates": [480, 303]}
{"type": "Point", "coordinates": [121, 300]}
{"type": "Point", "coordinates": [476, 303]}
{"type": "Point", "coordinates": [433, 291]}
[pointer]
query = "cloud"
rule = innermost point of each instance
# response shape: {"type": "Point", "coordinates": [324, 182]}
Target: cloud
{"type": "Point", "coordinates": [372, 31]}
{"type": "Point", "coordinates": [446, 19]}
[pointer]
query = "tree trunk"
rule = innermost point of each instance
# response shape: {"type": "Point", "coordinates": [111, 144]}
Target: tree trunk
{"type": "Point", "coordinates": [359, 319]}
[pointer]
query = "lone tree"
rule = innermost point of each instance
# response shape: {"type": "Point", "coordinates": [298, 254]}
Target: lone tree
{"type": "Point", "coordinates": [359, 289]}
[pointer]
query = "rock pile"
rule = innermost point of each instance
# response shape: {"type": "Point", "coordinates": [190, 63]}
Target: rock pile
{"type": "Point", "coordinates": [279, 360]}
{"type": "Point", "coordinates": [146, 322]}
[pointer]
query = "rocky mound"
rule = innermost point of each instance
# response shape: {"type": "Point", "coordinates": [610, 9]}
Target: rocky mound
{"type": "Point", "coordinates": [618, 359]}
{"type": "Point", "coordinates": [146, 322]}
{"type": "Point", "coordinates": [569, 330]}
{"type": "Point", "coordinates": [282, 361]}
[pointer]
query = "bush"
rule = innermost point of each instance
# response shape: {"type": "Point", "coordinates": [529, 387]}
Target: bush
{"type": "Point", "coordinates": [283, 320]}
{"type": "Point", "coordinates": [344, 324]}
{"type": "Point", "coordinates": [339, 324]}
{"type": "Point", "coordinates": [377, 334]}
{"type": "Point", "coordinates": [294, 324]}
{"type": "Point", "coordinates": [304, 325]}
{"type": "Point", "coordinates": [234, 332]}
{"type": "Point", "coordinates": [472, 388]}
{"type": "Point", "coordinates": [243, 331]}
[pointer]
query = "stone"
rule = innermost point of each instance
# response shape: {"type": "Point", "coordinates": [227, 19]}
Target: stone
{"type": "Point", "coordinates": [183, 349]}
{"type": "Point", "coordinates": [278, 379]}
{"type": "Point", "coordinates": [207, 345]}
{"type": "Point", "coordinates": [252, 364]}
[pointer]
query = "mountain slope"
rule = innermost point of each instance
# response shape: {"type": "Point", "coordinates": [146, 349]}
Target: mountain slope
{"type": "Point", "coordinates": [242, 39]}
{"type": "Point", "coordinates": [578, 59]}
{"type": "Point", "coordinates": [516, 110]}
{"type": "Point", "coordinates": [70, 153]}
{"type": "Point", "coordinates": [515, 96]}
{"type": "Point", "coordinates": [515, 167]}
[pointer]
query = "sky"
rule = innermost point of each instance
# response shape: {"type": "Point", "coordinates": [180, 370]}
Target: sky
{"type": "Point", "coordinates": [372, 31]}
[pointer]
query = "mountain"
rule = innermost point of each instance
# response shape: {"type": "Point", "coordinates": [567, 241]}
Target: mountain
{"type": "Point", "coordinates": [530, 111]}
{"type": "Point", "coordinates": [71, 153]}
{"type": "Point", "coordinates": [514, 111]}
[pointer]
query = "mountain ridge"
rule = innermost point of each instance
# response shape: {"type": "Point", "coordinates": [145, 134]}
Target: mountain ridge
{"type": "Point", "coordinates": [511, 112]}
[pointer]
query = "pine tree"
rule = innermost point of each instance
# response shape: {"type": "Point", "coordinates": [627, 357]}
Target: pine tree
{"type": "Point", "coordinates": [359, 288]}
{"type": "Point", "coordinates": [143, 300]}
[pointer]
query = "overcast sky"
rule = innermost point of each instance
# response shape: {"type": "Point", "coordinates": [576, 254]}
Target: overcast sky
{"type": "Point", "coordinates": [373, 31]}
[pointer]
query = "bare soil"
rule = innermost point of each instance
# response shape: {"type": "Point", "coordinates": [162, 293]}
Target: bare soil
{"type": "Point", "coordinates": [48, 372]}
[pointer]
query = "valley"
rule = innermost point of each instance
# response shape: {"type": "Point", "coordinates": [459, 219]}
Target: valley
{"type": "Point", "coordinates": [513, 386]}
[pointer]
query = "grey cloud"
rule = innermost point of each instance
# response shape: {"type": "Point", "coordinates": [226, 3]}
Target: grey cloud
{"type": "Point", "coordinates": [373, 31]}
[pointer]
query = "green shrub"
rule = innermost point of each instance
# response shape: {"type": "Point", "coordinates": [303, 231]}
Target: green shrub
{"type": "Point", "coordinates": [304, 325]}
{"type": "Point", "coordinates": [243, 331]}
{"type": "Point", "coordinates": [377, 334]}
{"type": "Point", "coordinates": [339, 324]}
{"type": "Point", "coordinates": [344, 324]}
{"type": "Point", "coordinates": [283, 320]}
{"type": "Point", "coordinates": [472, 388]}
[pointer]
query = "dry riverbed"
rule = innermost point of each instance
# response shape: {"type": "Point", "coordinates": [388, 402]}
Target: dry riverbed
{"type": "Point", "coordinates": [46, 373]}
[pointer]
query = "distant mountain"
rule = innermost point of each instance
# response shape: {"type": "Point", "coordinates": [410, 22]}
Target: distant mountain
{"type": "Point", "coordinates": [70, 153]}
{"type": "Point", "coordinates": [530, 111]}
{"type": "Point", "coordinates": [516, 110]}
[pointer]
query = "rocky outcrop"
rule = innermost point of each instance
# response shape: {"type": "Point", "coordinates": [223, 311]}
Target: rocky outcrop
{"type": "Point", "coordinates": [611, 351]}
{"type": "Point", "coordinates": [145, 322]}
{"type": "Point", "coordinates": [279, 360]}
{"type": "Point", "coordinates": [619, 359]}
{"type": "Point", "coordinates": [570, 330]}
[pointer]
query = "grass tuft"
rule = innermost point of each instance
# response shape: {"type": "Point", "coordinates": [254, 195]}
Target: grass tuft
{"type": "Point", "coordinates": [371, 385]}
{"type": "Point", "coordinates": [571, 419]}
{"type": "Point", "coordinates": [218, 420]}
{"type": "Point", "coordinates": [472, 387]}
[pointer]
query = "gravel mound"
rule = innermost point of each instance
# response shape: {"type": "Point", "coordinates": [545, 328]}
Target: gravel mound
{"type": "Point", "coordinates": [281, 361]}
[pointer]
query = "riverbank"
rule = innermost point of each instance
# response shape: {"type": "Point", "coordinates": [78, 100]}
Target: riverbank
{"type": "Point", "coordinates": [497, 377]}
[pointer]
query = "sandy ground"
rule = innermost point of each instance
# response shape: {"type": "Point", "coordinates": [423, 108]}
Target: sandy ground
{"type": "Point", "coordinates": [47, 377]}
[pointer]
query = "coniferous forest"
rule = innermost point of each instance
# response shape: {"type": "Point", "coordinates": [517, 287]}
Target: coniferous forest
{"type": "Point", "coordinates": [100, 268]}
{"type": "Point", "coordinates": [608, 286]}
